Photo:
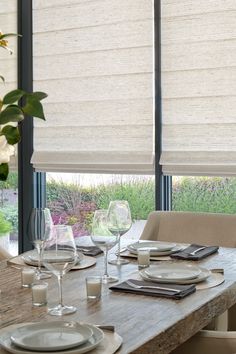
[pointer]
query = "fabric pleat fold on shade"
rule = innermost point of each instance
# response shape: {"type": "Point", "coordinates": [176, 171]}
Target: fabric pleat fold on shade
{"type": "Point", "coordinates": [95, 61]}
{"type": "Point", "coordinates": [8, 63]}
{"type": "Point", "coordinates": [198, 87]}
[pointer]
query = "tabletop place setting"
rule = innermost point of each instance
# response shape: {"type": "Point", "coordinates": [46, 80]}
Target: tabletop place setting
{"type": "Point", "coordinates": [165, 270]}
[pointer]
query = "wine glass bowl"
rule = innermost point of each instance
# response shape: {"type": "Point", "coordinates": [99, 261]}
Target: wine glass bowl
{"type": "Point", "coordinates": [103, 239]}
{"type": "Point", "coordinates": [59, 256]}
{"type": "Point", "coordinates": [119, 222]}
{"type": "Point", "coordinates": [39, 229]}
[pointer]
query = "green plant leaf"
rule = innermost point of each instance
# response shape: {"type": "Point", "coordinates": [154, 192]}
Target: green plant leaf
{"type": "Point", "coordinates": [39, 95]}
{"type": "Point", "coordinates": [11, 113]}
{"type": "Point", "coordinates": [4, 170]}
{"type": "Point", "coordinates": [33, 107]}
{"type": "Point", "coordinates": [2, 78]}
{"type": "Point", "coordinates": [13, 96]}
{"type": "Point", "coordinates": [10, 35]}
{"type": "Point", "coordinates": [12, 134]}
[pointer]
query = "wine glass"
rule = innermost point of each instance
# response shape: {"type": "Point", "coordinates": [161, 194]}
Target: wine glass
{"type": "Point", "coordinates": [39, 230]}
{"type": "Point", "coordinates": [59, 256]}
{"type": "Point", "coordinates": [103, 239]}
{"type": "Point", "coordinates": [119, 222]}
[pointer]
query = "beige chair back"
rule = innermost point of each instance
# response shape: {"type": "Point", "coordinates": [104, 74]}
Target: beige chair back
{"type": "Point", "coordinates": [188, 227]}
{"type": "Point", "coordinates": [4, 254]}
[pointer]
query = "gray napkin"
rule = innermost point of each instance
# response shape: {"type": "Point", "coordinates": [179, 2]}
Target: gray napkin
{"type": "Point", "coordinates": [89, 250]}
{"type": "Point", "coordinates": [185, 254]}
{"type": "Point", "coordinates": [185, 290]}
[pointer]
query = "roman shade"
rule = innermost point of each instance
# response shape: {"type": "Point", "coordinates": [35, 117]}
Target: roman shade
{"type": "Point", "coordinates": [95, 61]}
{"type": "Point", "coordinates": [199, 87]}
{"type": "Point", "coordinates": [8, 63]}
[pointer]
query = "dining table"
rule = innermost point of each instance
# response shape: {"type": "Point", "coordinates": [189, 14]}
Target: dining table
{"type": "Point", "coordinates": [147, 324]}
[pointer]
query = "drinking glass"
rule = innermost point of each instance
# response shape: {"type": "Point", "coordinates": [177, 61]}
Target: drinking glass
{"type": "Point", "coordinates": [59, 256]}
{"type": "Point", "coordinates": [39, 230]}
{"type": "Point", "coordinates": [119, 222]}
{"type": "Point", "coordinates": [103, 239]}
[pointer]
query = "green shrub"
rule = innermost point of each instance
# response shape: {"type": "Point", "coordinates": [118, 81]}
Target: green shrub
{"type": "Point", "coordinates": [11, 183]}
{"type": "Point", "coordinates": [10, 213]}
{"type": "Point", "coordinates": [140, 193]}
{"type": "Point", "coordinates": [5, 225]}
{"type": "Point", "coordinates": [204, 194]}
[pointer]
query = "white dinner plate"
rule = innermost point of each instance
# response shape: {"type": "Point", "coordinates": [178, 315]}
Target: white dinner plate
{"type": "Point", "coordinates": [61, 256]}
{"type": "Point", "coordinates": [204, 274]}
{"type": "Point", "coordinates": [93, 342]}
{"type": "Point", "coordinates": [31, 258]}
{"type": "Point", "coordinates": [153, 246]}
{"type": "Point", "coordinates": [155, 252]}
{"type": "Point", "coordinates": [51, 336]}
{"type": "Point", "coordinates": [173, 271]}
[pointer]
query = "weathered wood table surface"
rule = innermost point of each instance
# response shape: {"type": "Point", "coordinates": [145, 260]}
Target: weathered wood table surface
{"type": "Point", "coordinates": [147, 324]}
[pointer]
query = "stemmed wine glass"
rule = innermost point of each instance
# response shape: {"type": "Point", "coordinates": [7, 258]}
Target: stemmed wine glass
{"type": "Point", "coordinates": [39, 230]}
{"type": "Point", "coordinates": [119, 222]}
{"type": "Point", "coordinates": [104, 239]}
{"type": "Point", "coordinates": [59, 256]}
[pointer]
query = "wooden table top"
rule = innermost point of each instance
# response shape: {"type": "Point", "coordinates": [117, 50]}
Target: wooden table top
{"type": "Point", "coordinates": [147, 324]}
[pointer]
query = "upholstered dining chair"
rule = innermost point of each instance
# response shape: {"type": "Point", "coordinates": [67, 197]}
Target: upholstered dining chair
{"type": "Point", "coordinates": [208, 342]}
{"type": "Point", "coordinates": [203, 228]}
{"type": "Point", "coordinates": [4, 254]}
{"type": "Point", "coordinates": [188, 227]}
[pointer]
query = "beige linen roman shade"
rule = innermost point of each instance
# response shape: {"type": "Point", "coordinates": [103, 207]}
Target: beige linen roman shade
{"type": "Point", "coordinates": [199, 87]}
{"type": "Point", "coordinates": [95, 61]}
{"type": "Point", "coordinates": [8, 63]}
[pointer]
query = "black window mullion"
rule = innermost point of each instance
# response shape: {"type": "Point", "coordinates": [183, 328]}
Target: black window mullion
{"type": "Point", "coordinates": [25, 147]}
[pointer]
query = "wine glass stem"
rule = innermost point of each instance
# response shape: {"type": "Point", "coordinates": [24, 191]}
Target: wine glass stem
{"type": "Point", "coordinates": [105, 262]}
{"type": "Point", "coordinates": [118, 251]}
{"type": "Point", "coordinates": [40, 250]}
{"type": "Point", "coordinates": [59, 278]}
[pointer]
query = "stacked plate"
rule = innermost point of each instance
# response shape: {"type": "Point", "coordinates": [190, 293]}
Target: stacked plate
{"type": "Point", "coordinates": [157, 248]}
{"type": "Point", "coordinates": [31, 257]}
{"type": "Point", "coordinates": [59, 337]}
{"type": "Point", "coordinates": [175, 273]}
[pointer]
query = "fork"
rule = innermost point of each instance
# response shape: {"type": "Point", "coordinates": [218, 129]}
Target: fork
{"type": "Point", "coordinates": [197, 250]}
{"type": "Point", "coordinates": [135, 286]}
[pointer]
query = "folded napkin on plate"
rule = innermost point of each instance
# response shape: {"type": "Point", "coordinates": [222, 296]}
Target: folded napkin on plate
{"type": "Point", "coordinates": [89, 250]}
{"type": "Point", "coordinates": [185, 290]}
{"type": "Point", "coordinates": [185, 254]}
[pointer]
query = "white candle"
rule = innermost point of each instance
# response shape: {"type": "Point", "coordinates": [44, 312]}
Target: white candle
{"type": "Point", "coordinates": [143, 257]}
{"type": "Point", "coordinates": [27, 277]}
{"type": "Point", "coordinates": [94, 286]}
{"type": "Point", "coordinates": [39, 294]}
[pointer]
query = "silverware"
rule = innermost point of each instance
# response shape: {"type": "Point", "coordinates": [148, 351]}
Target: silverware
{"type": "Point", "coordinates": [217, 270]}
{"type": "Point", "coordinates": [122, 250]}
{"type": "Point", "coordinates": [197, 250]}
{"type": "Point", "coordinates": [106, 328]}
{"type": "Point", "coordinates": [73, 324]}
{"type": "Point", "coordinates": [83, 249]}
{"type": "Point", "coordinates": [135, 286]}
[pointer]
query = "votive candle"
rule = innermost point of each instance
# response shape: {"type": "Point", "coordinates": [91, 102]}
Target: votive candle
{"type": "Point", "coordinates": [143, 257]}
{"type": "Point", "coordinates": [27, 277]}
{"type": "Point", "coordinates": [93, 286]}
{"type": "Point", "coordinates": [39, 294]}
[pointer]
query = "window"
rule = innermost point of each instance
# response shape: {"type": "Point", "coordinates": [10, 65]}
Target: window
{"type": "Point", "coordinates": [73, 198]}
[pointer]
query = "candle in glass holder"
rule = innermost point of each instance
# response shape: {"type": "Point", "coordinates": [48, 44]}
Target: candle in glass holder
{"type": "Point", "coordinates": [93, 286]}
{"type": "Point", "coordinates": [143, 257]}
{"type": "Point", "coordinates": [39, 294]}
{"type": "Point", "coordinates": [27, 277]}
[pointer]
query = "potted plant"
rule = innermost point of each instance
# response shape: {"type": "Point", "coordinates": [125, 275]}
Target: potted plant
{"type": "Point", "coordinates": [12, 112]}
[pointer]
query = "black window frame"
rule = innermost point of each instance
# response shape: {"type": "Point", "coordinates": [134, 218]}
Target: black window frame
{"type": "Point", "coordinates": [32, 185]}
